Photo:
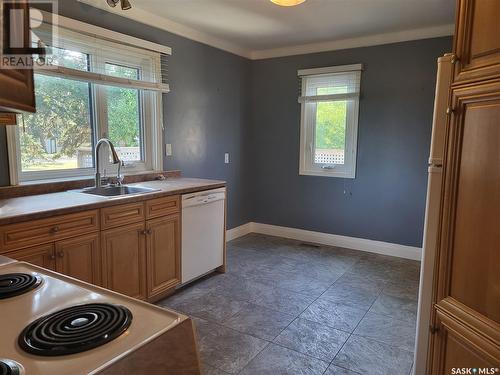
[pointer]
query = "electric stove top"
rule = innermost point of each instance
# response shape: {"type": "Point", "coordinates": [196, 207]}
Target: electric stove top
{"type": "Point", "coordinates": [54, 324]}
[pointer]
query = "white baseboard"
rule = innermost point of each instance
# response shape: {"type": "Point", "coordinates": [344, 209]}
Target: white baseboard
{"type": "Point", "coordinates": [240, 231]}
{"type": "Point", "coordinates": [371, 246]}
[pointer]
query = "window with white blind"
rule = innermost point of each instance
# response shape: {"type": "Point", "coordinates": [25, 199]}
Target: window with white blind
{"type": "Point", "coordinates": [95, 88]}
{"type": "Point", "coordinates": [329, 120]}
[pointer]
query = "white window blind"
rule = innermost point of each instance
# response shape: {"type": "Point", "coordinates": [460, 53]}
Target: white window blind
{"type": "Point", "coordinates": [151, 79]}
{"type": "Point", "coordinates": [330, 84]}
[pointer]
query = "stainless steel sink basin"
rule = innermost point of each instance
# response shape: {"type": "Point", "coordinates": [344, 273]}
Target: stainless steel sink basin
{"type": "Point", "coordinates": [115, 191]}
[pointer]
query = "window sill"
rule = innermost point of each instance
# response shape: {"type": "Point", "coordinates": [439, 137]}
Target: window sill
{"type": "Point", "coordinates": [328, 174]}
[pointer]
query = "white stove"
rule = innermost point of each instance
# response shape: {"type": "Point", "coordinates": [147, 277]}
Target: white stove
{"type": "Point", "coordinates": [53, 324]}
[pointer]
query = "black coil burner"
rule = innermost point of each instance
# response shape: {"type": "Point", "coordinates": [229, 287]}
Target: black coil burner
{"type": "Point", "coordinates": [8, 367]}
{"type": "Point", "coordinates": [75, 329]}
{"type": "Point", "coordinates": [14, 284]}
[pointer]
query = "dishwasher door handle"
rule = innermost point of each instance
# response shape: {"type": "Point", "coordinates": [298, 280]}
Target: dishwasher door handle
{"type": "Point", "coordinates": [202, 199]}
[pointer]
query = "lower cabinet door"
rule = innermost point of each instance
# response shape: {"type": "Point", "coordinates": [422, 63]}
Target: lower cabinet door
{"type": "Point", "coordinates": [163, 254]}
{"type": "Point", "coordinates": [80, 258]}
{"type": "Point", "coordinates": [124, 260]}
{"type": "Point", "coordinates": [42, 256]}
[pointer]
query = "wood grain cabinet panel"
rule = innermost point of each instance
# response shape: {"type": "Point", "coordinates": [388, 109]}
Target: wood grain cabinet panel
{"type": "Point", "coordinates": [124, 260]}
{"type": "Point", "coordinates": [42, 256]}
{"type": "Point", "coordinates": [16, 236]}
{"type": "Point", "coordinates": [124, 214]}
{"type": "Point", "coordinates": [457, 354]}
{"type": "Point", "coordinates": [473, 239]}
{"type": "Point", "coordinates": [17, 85]}
{"type": "Point", "coordinates": [477, 41]}
{"type": "Point", "coordinates": [163, 254]}
{"type": "Point", "coordinates": [80, 258]}
{"type": "Point", "coordinates": [468, 289]}
{"type": "Point", "coordinates": [162, 207]}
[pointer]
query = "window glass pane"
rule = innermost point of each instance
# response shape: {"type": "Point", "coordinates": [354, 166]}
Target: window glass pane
{"type": "Point", "coordinates": [330, 129]}
{"type": "Point", "coordinates": [70, 59]}
{"type": "Point", "coordinates": [122, 71]}
{"type": "Point", "coordinates": [124, 120]}
{"type": "Point", "coordinates": [59, 134]}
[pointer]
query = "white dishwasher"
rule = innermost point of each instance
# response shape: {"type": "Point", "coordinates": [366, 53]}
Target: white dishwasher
{"type": "Point", "coordinates": [203, 229]}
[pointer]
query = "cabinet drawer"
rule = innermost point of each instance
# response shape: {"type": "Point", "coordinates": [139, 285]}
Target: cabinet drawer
{"type": "Point", "coordinates": [16, 236]}
{"type": "Point", "coordinates": [162, 206]}
{"type": "Point", "coordinates": [122, 215]}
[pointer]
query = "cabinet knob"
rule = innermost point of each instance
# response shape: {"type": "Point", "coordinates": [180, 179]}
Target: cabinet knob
{"type": "Point", "coordinates": [148, 231]}
{"type": "Point", "coordinates": [55, 229]}
{"type": "Point", "coordinates": [143, 232]}
{"type": "Point", "coordinates": [61, 254]}
{"type": "Point", "coordinates": [52, 257]}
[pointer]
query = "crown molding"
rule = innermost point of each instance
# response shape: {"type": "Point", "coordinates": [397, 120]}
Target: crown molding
{"type": "Point", "coordinates": [363, 41]}
{"type": "Point", "coordinates": [173, 27]}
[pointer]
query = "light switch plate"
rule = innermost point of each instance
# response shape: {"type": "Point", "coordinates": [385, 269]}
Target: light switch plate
{"type": "Point", "coordinates": [168, 149]}
{"type": "Point", "coordinates": [226, 158]}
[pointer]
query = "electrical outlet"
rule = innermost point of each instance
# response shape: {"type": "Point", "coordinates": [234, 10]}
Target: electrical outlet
{"type": "Point", "coordinates": [168, 149]}
{"type": "Point", "coordinates": [226, 158]}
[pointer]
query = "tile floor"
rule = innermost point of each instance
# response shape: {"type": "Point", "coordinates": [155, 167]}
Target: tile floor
{"type": "Point", "coordinates": [285, 307]}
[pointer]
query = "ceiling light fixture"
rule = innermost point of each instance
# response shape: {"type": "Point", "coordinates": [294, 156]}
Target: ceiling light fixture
{"type": "Point", "coordinates": [287, 3]}
{"type": "Point", "coordinates": [125, 4]}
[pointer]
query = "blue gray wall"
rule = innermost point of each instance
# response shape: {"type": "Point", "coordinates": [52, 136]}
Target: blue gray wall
{"type": "Point", "coordinates": [205, 114]}
{"type": "Point", "coordinates": [224, 103]}
{"type": "Point", "coordinates": [386, 201]}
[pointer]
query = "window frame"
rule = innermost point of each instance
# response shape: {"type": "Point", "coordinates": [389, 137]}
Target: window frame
{"type": "Point", "coordinates": [100, 52]}
{"type": "Point", "coordinates": [307, 166]}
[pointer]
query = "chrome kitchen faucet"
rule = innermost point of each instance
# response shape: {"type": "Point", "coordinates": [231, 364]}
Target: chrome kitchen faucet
{"type": "Point", "coordinates": [114, 155]}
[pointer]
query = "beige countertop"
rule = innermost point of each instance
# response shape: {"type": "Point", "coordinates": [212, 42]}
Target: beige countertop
{"type": "Point", "coordinates": [13, 210]}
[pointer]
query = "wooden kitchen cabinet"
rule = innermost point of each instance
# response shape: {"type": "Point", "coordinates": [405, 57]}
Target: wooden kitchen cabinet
{"type": "Point", "coordinates": [124, 260]}
{"type": "Point", "coordinates": [163, 254]}
{"type": "Point", "coordinates": [467, 312]}
{"type": "Point", "coordinates": [80, 258]}
{"type": "Point", "coordinates": [477, 40]}
{"type": "Point", "coordinates": [42, 256]}
{"type": "Point", "coordinates": [17, 89]}
{"type": "Point", "coordinates": [133, 248]}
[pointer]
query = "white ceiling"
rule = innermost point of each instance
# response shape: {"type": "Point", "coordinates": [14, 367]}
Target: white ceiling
{"type": "Point", "coordinates": [259, 28]}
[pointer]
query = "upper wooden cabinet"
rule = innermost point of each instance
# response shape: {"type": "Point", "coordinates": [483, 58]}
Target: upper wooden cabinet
{"type": "Point", "coordinates": [477, 40]}
{"type": "Point", "coordinates": [17, 89]}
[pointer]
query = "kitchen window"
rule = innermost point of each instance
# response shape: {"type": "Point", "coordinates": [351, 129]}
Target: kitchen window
{"type": "Point", "coordinates": [329, 120]}
{"type": "Point", "coordinates": [98, 89]}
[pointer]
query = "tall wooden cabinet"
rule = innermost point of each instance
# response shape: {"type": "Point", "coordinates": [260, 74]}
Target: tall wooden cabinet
{"type": "Point", "coordinates": [466, 317]}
